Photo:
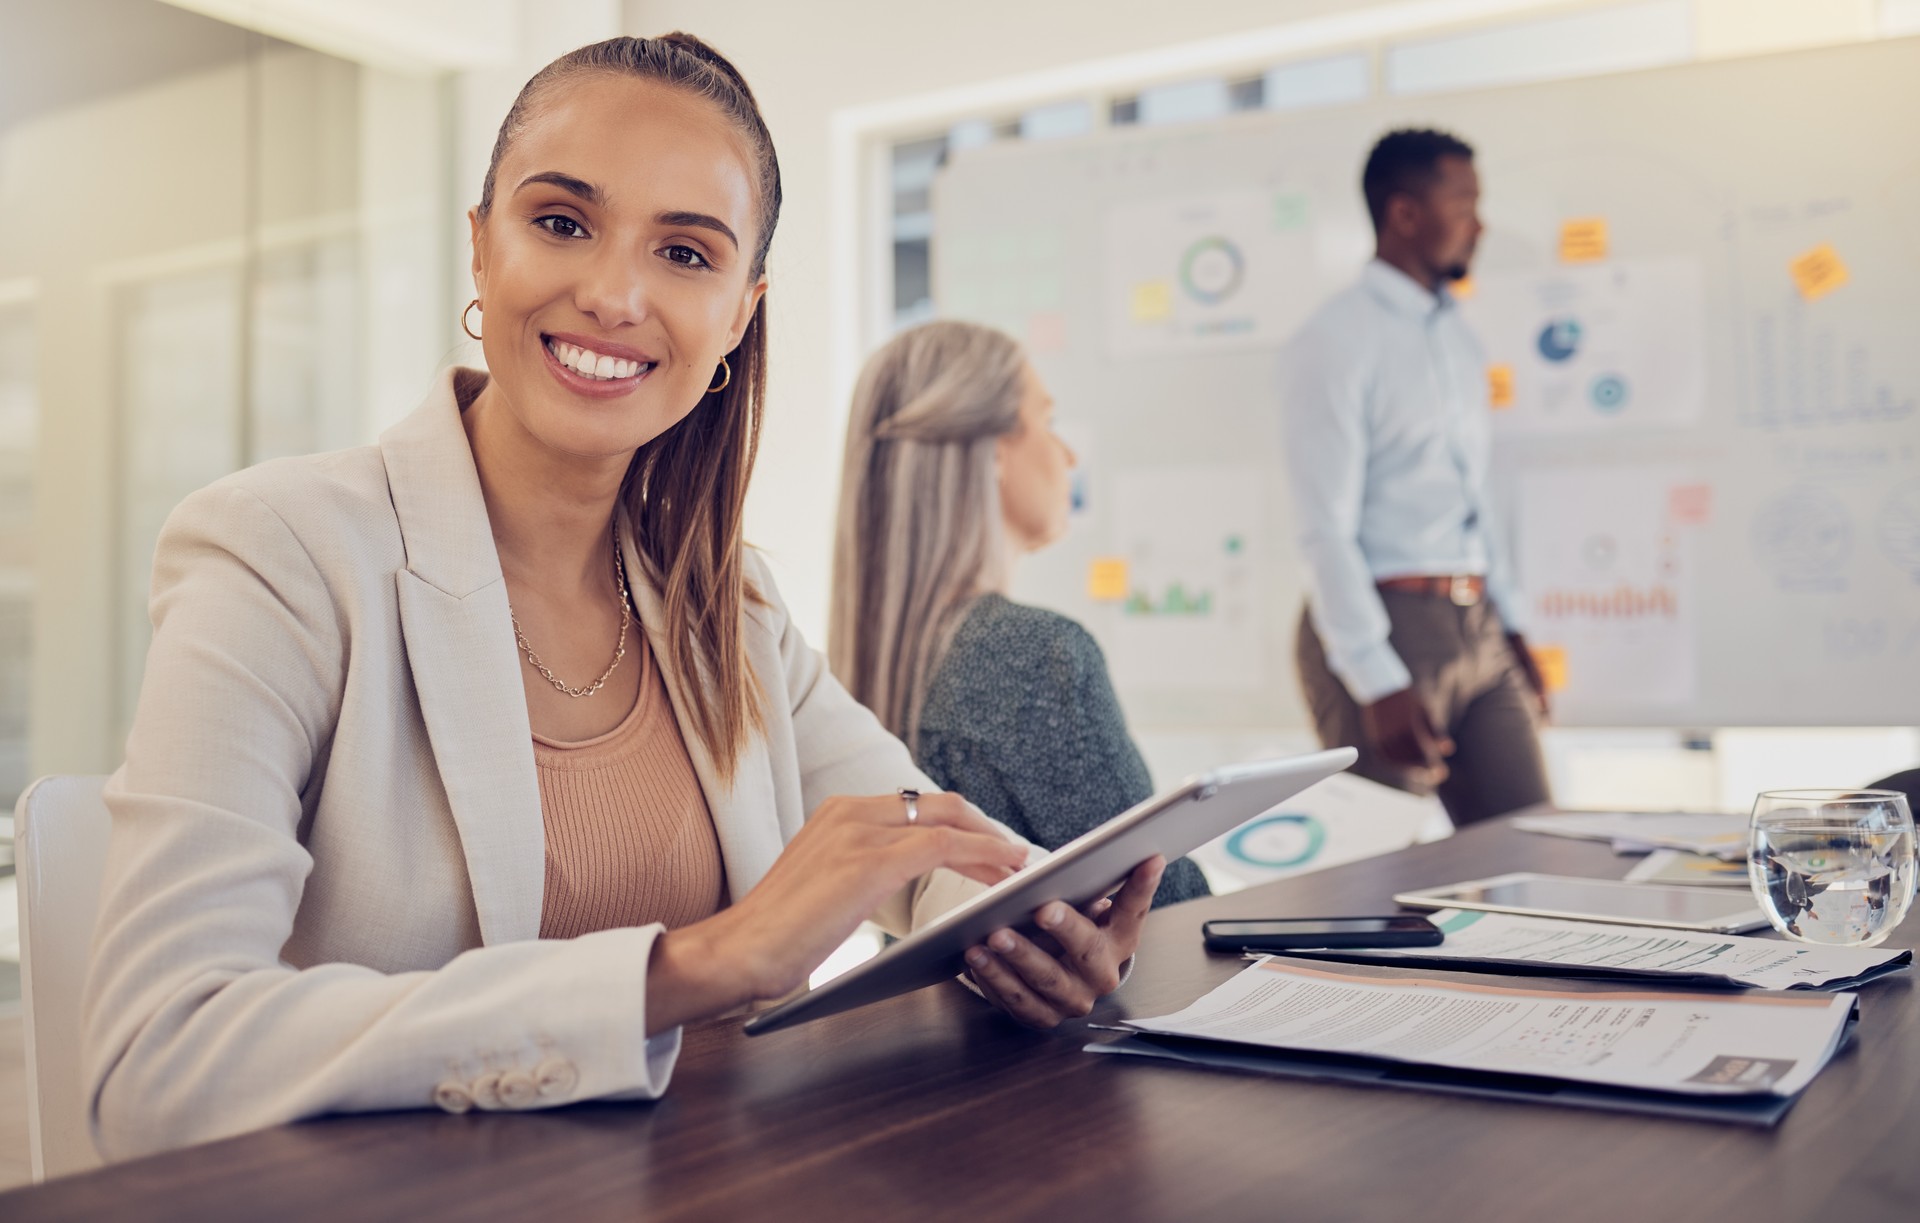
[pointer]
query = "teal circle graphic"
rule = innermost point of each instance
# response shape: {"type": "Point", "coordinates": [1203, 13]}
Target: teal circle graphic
{"type": "Point", "coordinates": [1212, 270]}
{"type": "Point", "coordinates": [1609, 392]}
{"type": "Point", "coordinates": [1314, 831]}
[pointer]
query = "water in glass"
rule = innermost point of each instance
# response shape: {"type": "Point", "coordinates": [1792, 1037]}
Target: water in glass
{"type": "Point", "coordinates": [1833, 866]}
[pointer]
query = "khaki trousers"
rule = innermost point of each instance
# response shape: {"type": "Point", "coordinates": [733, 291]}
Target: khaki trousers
{"type": "Point", "coordinates": [1472, 686]}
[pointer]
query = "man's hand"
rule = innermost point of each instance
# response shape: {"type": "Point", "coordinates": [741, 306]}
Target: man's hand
{"type": "Point", "coordinates": [1399, 726]}
{"type": "Point", "coordinates": [1531, 670]}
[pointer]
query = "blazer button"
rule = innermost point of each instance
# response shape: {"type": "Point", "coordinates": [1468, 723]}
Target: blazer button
{"type": "Point", "coordinates": [452, 1096]}
{"type": "Point", "coordinates": [556, 1077]}
{"type": "Point", "coordinates": [485, 1091]}
{"type": "Point", "coordinates": [517, 1089]}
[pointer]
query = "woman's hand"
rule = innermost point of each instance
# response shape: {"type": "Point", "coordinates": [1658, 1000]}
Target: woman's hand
{"type": "Point", "coordinates": [1074, 959]}
{"type": "Point", "coordinates": [848, 858]}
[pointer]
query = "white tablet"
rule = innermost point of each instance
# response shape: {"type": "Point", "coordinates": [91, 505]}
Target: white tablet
{"type": "Point", "coordinates": [1082, 870]}
{"type": "Point", "coordinates": [1715, 910]}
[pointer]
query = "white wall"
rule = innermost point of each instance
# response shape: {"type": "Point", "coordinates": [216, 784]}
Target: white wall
{"type": "Point", "coordinates": [404, 36]}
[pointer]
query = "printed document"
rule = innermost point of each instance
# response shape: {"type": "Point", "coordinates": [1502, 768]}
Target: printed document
{"type": "Point", "coordinates": [1637, 832]}
{"type": "Point", "coordinates": [1677, 867]}
{"type": "Point", "coordinates": [1542, 942]}
{"type": "Point", "coordinates": [1722, 1045]}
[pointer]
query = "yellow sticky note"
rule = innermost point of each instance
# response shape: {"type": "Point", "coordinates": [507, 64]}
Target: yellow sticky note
{"type": "Point", "coordinates": [1818, 272]}
{"type": "Point", "coordinates": [1583, 240]}
{"type": "Point", "coordinates": [1552, 661]}
{"type": "Point", "coordinates": [1107, 579]}
{"type": "Point", "coordinates": [1152, 301]}
{"type": "Point", "coordinates": [1461, 289]}
{"type": "Point", "coordinates": [1500, 386]}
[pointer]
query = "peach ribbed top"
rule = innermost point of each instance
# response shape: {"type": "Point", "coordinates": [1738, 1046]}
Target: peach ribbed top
{"type": "Point", "coordinates": [630, 839]}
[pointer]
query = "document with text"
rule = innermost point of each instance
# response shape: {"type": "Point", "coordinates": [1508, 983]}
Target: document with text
{"type": "Point", "coordinates": [1580, 948]}
{"type": "Point", "coordinates": [1710, 834]}
{"type": "Point", "coordinates": [1756, 1043]}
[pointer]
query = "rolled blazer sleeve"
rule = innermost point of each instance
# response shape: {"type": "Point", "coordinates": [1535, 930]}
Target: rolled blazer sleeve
{"type": "Point", "coordinates": [195, 1027]}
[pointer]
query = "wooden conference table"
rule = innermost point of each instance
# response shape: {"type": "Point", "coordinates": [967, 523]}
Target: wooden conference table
{"type": "Point", "coordinates": [931, 1107]}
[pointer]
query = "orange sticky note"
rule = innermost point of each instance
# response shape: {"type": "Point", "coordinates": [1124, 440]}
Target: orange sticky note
{"type": "Point", "coordinates": [1461, 289]}
{"type": "Point", "coordinates": [1583, 240]}
{"type": "Point", "coordinates": [1818, 272]}
{"type": "Point", "coordinates": [1107, 579]}
{"type": "Point", "coordinates": [1500, 386]}
{"type": "Point", "coordinates": [1552, 661]}
{"type": "Point", "coordinates": [1152, 301]}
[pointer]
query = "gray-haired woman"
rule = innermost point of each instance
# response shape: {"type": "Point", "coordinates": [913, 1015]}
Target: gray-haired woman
{"type": "Point", "coordinates": [953, 469]}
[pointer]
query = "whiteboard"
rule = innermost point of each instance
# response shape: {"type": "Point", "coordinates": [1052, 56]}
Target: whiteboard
{"type": "Point", "coordinates": [1707, 461]}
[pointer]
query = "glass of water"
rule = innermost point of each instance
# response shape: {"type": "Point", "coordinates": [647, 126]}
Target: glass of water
{"type": "Point", "coordinates": [1832, 866]}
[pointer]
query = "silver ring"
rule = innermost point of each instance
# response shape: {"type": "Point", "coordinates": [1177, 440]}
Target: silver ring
{"type": "Point", "coordinates": [912, 799]}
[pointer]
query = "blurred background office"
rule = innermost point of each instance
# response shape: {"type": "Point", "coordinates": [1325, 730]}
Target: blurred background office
{"type": "Point", "coordinates": [234, 229]}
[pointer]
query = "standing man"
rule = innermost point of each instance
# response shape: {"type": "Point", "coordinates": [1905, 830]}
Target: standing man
{"type": "Point", "coordinates": [1411, 646]}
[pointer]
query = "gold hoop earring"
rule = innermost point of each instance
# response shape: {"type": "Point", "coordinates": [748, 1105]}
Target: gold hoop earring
{"type": "Point", "coordinates": [463, 318]}
{"type": "Point", "coordinates": [726, 377]}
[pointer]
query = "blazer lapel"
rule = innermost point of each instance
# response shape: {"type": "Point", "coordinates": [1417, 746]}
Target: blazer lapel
{"type": "Point", "coordinates": [466, 671]}
{"type": "Point", "coordinates": [745, 816]}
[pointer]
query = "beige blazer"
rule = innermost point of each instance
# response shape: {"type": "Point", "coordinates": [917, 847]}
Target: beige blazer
{"type": "Point", "coordinates": [324, 881]}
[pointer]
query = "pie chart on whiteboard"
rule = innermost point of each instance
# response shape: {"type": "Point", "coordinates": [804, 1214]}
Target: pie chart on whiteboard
{"type": "Point", "coordinates": [1559, 340]}
{"type": "Point", "coordinates": [1212, 270]}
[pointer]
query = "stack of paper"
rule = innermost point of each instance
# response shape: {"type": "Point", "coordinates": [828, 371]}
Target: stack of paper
{"type": "Point", "coordinates": [1341, 819]}
{"type": "Point", "coordinates": [1731, 1056]}
{"type": "Point", "coordinates": [1631, 832]}
{"type": "Point", "coordinates": [1543, 945]}
{"type": "Point", "coordinates": [1679, 868]}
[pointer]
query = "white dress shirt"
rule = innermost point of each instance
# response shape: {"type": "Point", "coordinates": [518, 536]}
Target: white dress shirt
{"type": "Point", "coordinates": [1385, 409]}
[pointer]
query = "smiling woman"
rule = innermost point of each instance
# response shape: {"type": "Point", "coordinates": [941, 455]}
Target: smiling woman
{"type": "Point", "coordinates": [617, 297]}
{"type": "Point", "coordinates": [382, 838]}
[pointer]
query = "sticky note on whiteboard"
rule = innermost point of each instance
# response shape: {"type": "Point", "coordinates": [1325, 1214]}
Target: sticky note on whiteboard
{"type": "Point", "coordinates": [1152, 301]}
{"type": "Point", "coordinates": [1552, 661]}
{"type": "Point", "coordinates": [1461, 289]}
{"type": "Point", "coordinates": [1047, 332]}
{"type": "Point", "coordinates": [1583, 240]}
{"type": "Point", "coordinates": [1289, 212]}
{"type": "Point", "coordinates": [1690, 505]}
{"type": "Point", "coordinates": [1107, 579]}
{"type": "Point", "coordinates": [1818, 272]}
{"type": "Point", "coordinates": [1500, 386]}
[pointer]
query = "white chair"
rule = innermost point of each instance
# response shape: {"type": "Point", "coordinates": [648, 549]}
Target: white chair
{"type": "Point", "coordinates": [60, 851]}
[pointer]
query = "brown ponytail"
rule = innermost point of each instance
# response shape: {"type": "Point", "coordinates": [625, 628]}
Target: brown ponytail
{"type": "Point", "coordinates": [686, 490]}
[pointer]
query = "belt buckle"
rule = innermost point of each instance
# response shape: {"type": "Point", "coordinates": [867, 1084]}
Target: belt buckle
{"type": "Point", "coordinates": [1460, 590]}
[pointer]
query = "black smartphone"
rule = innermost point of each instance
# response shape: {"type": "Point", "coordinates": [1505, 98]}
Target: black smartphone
{"type": "Point", "coordinates": [1320, 933]}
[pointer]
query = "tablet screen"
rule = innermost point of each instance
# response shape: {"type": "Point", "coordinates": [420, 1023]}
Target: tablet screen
{"type": "Point", "coordinates": [1600, 898]}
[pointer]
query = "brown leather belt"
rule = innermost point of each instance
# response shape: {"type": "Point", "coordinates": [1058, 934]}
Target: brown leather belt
{"type": "Point", "coordinates": [1465, 589]}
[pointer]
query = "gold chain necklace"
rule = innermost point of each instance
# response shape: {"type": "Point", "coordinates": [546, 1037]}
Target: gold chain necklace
{"type": "Point", "coordinates": [619, 649]}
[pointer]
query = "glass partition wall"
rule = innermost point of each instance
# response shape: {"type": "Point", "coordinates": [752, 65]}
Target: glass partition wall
{"type": "Point", "coordinates": [19, 419]}
{"type": "Point", "coordinates": [215, 249]}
